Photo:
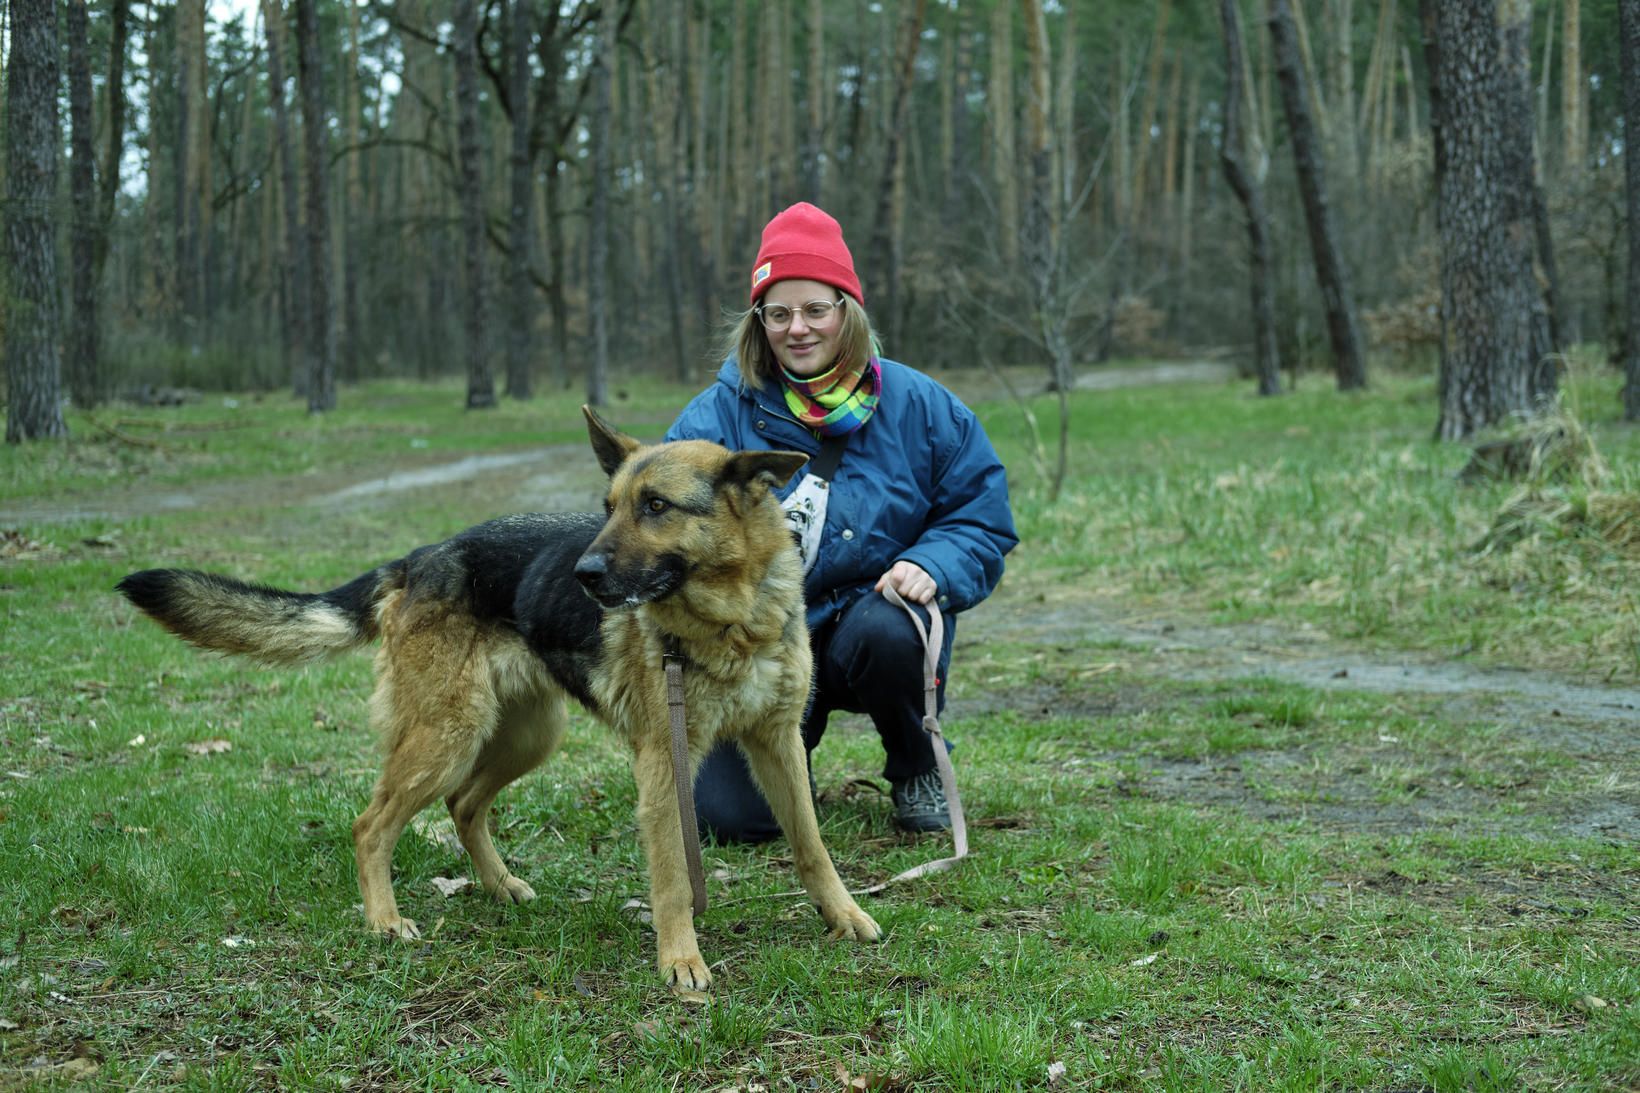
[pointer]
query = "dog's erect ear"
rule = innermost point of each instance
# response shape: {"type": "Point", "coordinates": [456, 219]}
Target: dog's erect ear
{"type": "Point", "coordinates": [608, 444]}
{"type": "Point", "coordinates": [769, 469]}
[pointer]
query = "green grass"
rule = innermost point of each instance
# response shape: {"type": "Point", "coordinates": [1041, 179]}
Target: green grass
{"type": "Point", "coordinates": [1229, 882]}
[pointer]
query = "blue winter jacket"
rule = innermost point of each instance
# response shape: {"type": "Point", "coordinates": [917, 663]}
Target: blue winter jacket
{"type": "Point", "coordinates": [919, 481]}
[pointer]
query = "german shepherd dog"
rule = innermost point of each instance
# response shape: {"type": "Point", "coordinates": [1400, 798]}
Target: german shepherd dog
{"type": "Point", "coordinates": [485, 635]}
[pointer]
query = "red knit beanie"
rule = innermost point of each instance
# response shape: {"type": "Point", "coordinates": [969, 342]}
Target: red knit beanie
{"type": "Point", "coordinates": [803, 243]}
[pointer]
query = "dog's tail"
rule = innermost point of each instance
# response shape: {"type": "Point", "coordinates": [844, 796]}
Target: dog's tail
{"type": "Point", "coordinates": [264, 623]}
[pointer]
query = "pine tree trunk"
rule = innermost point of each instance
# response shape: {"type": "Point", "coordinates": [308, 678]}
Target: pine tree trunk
{"type": "Point", "coordinates": [321, 392]}
{"type": "Point", "coordinates": [297, 313]}
{"type": "Point", "coordinates": [1492, 339]}
{"type": "Point", "coordinates": [352, 347]}
{"type": "Point", "coordinates": [884, 251]}
{"type": "Point", "coordinates": [119, 32]}
{"type": "Point", "coordinates": [603, 79]}
{"type": "Point", "coordinates": [84, 373]}
{"type": "Point", "coordinates": [1266, 364]}
{"type": "Point", "coordinates": [1000, 95]}
{"type": "Point", "coordinates": [1526, 192]}
{"type": "Point", "coordinates": [33, 368]}
{"type": "Point", "coordinates": [1628, 12]}
{"type": "Point", "coordinates": [1147, 112]}
{"type": "Point", "coordinates": [814, 169]}
{"type": "Point", "coordinates": [520, 291]}
{"type": "Point", "coordinates": [1571, 90]}
{"type": "Point", "coordinates": [1349, 362]}
{"type": "Point", "coordinates": [1041, 230]}
{"type": "Point", "coordinates": [666, 115]}
{"type": "Point", "coordinates": [469, 178]}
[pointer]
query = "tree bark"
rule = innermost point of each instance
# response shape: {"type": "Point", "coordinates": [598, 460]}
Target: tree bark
{"type": "Point", "coordinates": [321, 392]}
{"type": "Point", "coordinates": [1332, 277]}
{"type": "Point", "coordinates": [469, 180]}
{"type": "Point", "coordinates": [33, 368]}
{"type": "Point", "coordinates": [1000, 95]}
{"type": "Point", "coordinates": [1266, 364]}
{"type": "Point", "coordinates": [293, 266]}
{"type": "Point", "coordinates": [884, 249]}
{"type": "Point", "coordinates": [84, 373]}
{"type": "Point", "coordinates": [598, 228]}
{"type": "Point", "coordinates": [1041, 243]}
{"type": "Point", "coordinates": [1628, 13]}
{"type": "Point", "coordinates": [352, 344]}
{"type": "Point", "coordinates": [1529, 206]}
{"type": "Point", "coordinates": [666, 116]}
{"type": "Point", "coordinates": [520, 291]}
{"type": "Point", "coordinates": [119, 32]}
{"type": "Point", "coordinates": [1492, 336]}
{"type": "Point", "coordinates": [814, 163]}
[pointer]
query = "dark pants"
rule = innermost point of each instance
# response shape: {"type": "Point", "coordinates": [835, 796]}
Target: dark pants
{"type": "Point", "coordinates": [867, 659]}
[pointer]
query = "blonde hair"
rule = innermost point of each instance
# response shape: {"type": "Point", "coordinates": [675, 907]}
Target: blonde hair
{"type": "Point", "coordinates": [745, 337]}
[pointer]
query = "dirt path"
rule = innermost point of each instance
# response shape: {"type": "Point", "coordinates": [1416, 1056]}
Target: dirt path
{"type": "Point", "coordinates": [1528, 753]}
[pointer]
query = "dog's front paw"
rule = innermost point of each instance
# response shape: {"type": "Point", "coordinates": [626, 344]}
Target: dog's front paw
{"type": "Point", "coordinates": [512, 890]}
{"type": "Point", "coordinates": [403, 929]}
{"type": "Point", "coordinates": [852, 924]}
{"type": "Point", "coordinates": [686, 973]}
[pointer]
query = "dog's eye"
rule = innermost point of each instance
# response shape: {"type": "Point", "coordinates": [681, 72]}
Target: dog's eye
{"type": "Point", "coordinates": [656, 505]}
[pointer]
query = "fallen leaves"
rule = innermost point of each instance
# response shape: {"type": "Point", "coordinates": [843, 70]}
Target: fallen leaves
{"type": "Point", "coordinates": [449, 886]}
{"type": "Point", "coordinates": [14, 544]}
{"type": "Point", "coordinates": [208, 747]}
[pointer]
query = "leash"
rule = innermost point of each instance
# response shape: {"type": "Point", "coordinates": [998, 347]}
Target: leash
{"type": "Point", "coordinates": [933, 640]}
{"type": "Point", "coordinates": [672, 659]}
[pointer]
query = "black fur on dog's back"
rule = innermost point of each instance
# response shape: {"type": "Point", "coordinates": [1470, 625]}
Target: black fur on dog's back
{"type": "Point", "coordinates": [516, 571]}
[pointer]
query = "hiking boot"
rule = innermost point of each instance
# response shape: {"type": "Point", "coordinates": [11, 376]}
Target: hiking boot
{"type": "Point", "coordinates": [919, 803]}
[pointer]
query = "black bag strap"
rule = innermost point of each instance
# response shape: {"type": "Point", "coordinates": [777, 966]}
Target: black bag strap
{"type": "Point", "coordinates": [824, 465]}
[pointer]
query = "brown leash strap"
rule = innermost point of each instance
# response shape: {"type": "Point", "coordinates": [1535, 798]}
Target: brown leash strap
{"type": "Point", "coordinates": [933, 639]}
{"type": "Point", "coordinates": [673, 661]}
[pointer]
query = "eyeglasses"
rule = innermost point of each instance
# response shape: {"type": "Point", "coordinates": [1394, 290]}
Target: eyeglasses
{"type": "Point", "coordinates": [779, 316]}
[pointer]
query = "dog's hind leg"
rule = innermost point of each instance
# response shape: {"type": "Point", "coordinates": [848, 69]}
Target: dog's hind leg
{"type": "Point", "coordinates": [529, 731]}
{"type": "Point", "coordinates": [434, 712]}
{"type": "Point", "coordinates": [780, 768]}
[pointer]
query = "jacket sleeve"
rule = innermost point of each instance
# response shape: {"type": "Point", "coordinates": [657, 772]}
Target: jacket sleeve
{"type": "Point", "coordinates": [970, 525]}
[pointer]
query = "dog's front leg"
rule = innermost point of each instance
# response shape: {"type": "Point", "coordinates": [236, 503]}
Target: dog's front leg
{"type": "Point", "coordinates": [670, 899]}
{"type": "Point", "coordinates": [778, 763]}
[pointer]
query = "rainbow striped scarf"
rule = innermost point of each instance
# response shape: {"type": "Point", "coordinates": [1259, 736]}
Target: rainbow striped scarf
{"type": "Point", "coordinates": [837, 401]}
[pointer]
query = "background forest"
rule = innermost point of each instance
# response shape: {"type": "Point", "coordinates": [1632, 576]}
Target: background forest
{"type": "Point", "coordinates": [494, 207]}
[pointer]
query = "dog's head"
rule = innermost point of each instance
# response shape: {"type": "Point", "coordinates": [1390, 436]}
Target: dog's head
{"type": "Point", "coordinates": [677, 511]}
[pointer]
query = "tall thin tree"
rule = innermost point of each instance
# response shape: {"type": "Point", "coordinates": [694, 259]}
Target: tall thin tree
{"type": "Point", "coordinates": [1628, 13]}
{"type": "Point", "coordinates": [33, 368]}
{"type": "Point", "coordinates": [470, 182]}
{"type": "Point", "coordinates": [85, 381]}
{"type": "Point", "coordinates": [119, 33]}
{"type": "Point", "coordinates": [603, 77]}
{"type": "Point", "coordinates": [296, 312]}
{"type": "Point", "coordinates": [1332, 276]}
{"type": "Point", "coordinates": [884, 248]}
{"type": "Point", "coordinates": [1266, 363]}
{"type": "Point", "coordinates": [521, 166]}
{"type": "Point", "coordinates": [321, 391]}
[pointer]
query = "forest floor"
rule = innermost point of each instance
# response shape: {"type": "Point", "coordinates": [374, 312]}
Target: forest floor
{"type": "Point", "coordinates": [1286, 850]}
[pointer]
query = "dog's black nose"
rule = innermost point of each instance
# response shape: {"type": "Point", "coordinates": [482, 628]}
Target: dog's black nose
{"type": "Point", "coordinates": [591, 569]}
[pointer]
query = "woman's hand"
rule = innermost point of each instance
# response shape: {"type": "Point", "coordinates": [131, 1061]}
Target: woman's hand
{"type": "Point", "coordinates": [910, 580]}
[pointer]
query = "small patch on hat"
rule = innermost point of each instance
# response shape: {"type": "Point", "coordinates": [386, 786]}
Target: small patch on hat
{"type": "Point", "coordinates": [761, 273]}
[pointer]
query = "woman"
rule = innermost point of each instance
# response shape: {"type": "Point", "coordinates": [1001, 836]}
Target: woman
{"type": "Point", "coordinates": [918, 500]}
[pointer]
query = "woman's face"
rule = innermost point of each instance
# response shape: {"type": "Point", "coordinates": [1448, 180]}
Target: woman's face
{"type": "Point", "coordinates": [804, 348]}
